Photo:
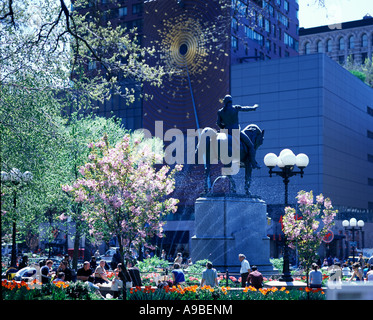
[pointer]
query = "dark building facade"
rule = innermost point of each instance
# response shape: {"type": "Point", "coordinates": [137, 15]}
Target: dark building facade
{"type": "Point", "coordinates": [197, 41]}
{"type": "Point", "coordinates": [263, 30]}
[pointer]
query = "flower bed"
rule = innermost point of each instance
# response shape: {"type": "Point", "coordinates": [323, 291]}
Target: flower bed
{"type": "Point", "coordinates": [196, 292]}
{"type": "Point", "coordinates": [13, 290]}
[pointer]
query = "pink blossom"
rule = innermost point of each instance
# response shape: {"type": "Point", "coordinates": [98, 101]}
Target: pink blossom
{"type": "Point", "coordinates": [100, 144]}
{"type": "Point", "coordinates": [320, 199]}
{"type": "Point", "coordinates": [305, 198]}
{"type": "Point", "coordinates": [80, 196]}
{"type": "Point", "coordinates": [327, 204]}
{"type": "Point", "coordinates": [82, 170]}
{"type": "Point", "coordinates": [67, 188]}
{"type": "Point", "coordinates": [119, 180]}
{"type": "Point", "coordinates": [62, 216]}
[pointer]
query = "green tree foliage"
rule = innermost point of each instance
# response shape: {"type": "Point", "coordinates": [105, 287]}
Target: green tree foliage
{"type": "Point", "coordinates": [363, 71]}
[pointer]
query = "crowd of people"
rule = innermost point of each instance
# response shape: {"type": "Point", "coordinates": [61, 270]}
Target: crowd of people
{"type": "Point", "coordinates": [95, 272]}
{"type": "Point", "coordinates": [359, 271]}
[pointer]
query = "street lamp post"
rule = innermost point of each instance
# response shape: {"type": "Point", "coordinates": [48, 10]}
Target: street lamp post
{"type": "Point", "coordinates": [286, 162]}
{"type": "Point", "coordinates": [354, 226]}
{"type": "Point", "coordinates": [18, 180]}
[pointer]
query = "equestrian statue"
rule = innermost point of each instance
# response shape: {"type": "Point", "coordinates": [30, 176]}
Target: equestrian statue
{"type": "Point", "coordinates": [248, 140]}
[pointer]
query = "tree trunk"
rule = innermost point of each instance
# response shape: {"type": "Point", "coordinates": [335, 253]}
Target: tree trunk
{"type": "Point", "coordinates": [76, 248]}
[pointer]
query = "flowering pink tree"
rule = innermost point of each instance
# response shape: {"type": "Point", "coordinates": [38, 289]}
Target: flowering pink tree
{"type": "Point", "coordinates": [123, 193]}
{"type": "Point", "coordinates": [305, 231]}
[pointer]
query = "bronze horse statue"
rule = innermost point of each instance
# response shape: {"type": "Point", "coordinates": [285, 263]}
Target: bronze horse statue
{"type": "Point", "coordinates": [211, 152]}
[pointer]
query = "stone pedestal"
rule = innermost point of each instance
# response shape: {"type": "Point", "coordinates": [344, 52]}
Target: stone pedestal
{"type": "Point", "coordinates": [226, 226]}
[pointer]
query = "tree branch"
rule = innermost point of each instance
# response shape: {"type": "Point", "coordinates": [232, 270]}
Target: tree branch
{"type": "Point", "coordinates": [10, 13]}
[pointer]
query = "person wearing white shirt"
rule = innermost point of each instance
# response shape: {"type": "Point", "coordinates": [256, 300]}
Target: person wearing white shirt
{"type": "Point", "coordinates": [370, 274]}
{"type": "Point", "coordinates": [245, 269]}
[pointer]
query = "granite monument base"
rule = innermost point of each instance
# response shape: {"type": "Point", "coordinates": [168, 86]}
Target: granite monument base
{"type": "Point", "coordinates": [228, 225]}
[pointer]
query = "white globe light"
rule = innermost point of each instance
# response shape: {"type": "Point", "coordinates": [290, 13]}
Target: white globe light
{"type": "Point", "coordinates": [288, 158]}
{"type": "Point", "coordinates": [270, 160]}
{"type": "Point", "coordinates": [353, 222]}
{"type": "Point", "coordinates": [285, 151]}
{"type": "Point", "coordinates": [360, 223]}
{"type": "Point", "coordinates": [302, 160]}
{"type": "Point", "coordinates": [345, 223]}
{"type": "Point", "coordinates": [280, 164]}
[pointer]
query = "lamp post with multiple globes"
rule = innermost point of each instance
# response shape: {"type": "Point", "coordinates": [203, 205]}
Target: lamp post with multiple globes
{"type": "Point", "coordinates": [354, 226]}
{"type": "Point", "coordinates": [286, 162]}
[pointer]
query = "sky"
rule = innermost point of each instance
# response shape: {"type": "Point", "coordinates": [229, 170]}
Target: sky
{"type": "Point", "coordinates": [335, 11]}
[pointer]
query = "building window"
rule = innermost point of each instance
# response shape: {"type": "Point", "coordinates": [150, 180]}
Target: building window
{"type": "Point", "coordinates": [369, 134]}
{"type": "Point", "coordinates": [370, 182]}
{"type": "Point", "coordinates": [329, 46]}
{"type": "Point", "coordinates": [137, 8]}
{"type": "Point", "coordinates": [268, 45]}
{"type": "Point", "coordinates": [370, 111]}
{"type": "Point", "coordinates": [364, 41]}
{"type": "Point", "coordinates": [260, 21]}
{"type": "Point", "coordinates": [234, 43]}
{"type": "Point", "coordinates": [319, 47]}
{"type": "Point", "coordinates": [122, 11]}
{"type": "Point", "coordinates": [307, 48]}
{"type": "Point", "coordinates": [235, 24]}
{"type": "Point", "coordinates": [239, 7]}
{"type": "Point", "coordinates": [286, 5]}
{"type": "Point", "coordinates": [341, 59]}
{"type": "Point", "coordinates": [364, 56]}
{"type": "Point", "coordinates": [271, 10]}
{"type": "Point", "coordinates": [283, 19]}
{"type": "Point", "coordinates": [290, 41]}
{"type": "Point", "coordinates": [351, 42]}
{"type": "Point", "coordinates": [341, 43]}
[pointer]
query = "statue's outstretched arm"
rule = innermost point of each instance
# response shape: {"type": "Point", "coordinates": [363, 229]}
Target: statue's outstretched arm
{"type": "Point", "coordinates": [247, 108]}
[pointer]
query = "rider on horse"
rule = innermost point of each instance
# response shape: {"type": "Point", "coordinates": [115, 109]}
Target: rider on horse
{"type": "Point", "coordinates": [228, 119]}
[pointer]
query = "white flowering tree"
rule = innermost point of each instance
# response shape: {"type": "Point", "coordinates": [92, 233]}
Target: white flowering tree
{"type": "Point", "coordinates": [124, 194]}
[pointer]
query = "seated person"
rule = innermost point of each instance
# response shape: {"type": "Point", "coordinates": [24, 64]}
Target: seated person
{"type": "Point", "coordinates": [46, 272]}
{"type": "Point", "coordinates": [255, 278]}
{"type": "Point", "coordinates": [101, 273]}
{"type": "Point", "coordinates": [85, 272]}
{"type": "Point", "coordinates": [134, 273]}
{"type": "Point", "coordinates": [177, 275]}
{"type": "Point", "coordinates": [209, 276]}
{"type": "Point", "coordinates": [66, 270]}
{"type": "Point", "coordinates": [60, 277]}
{"type": "Point", "coordinates": [315, 277]}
